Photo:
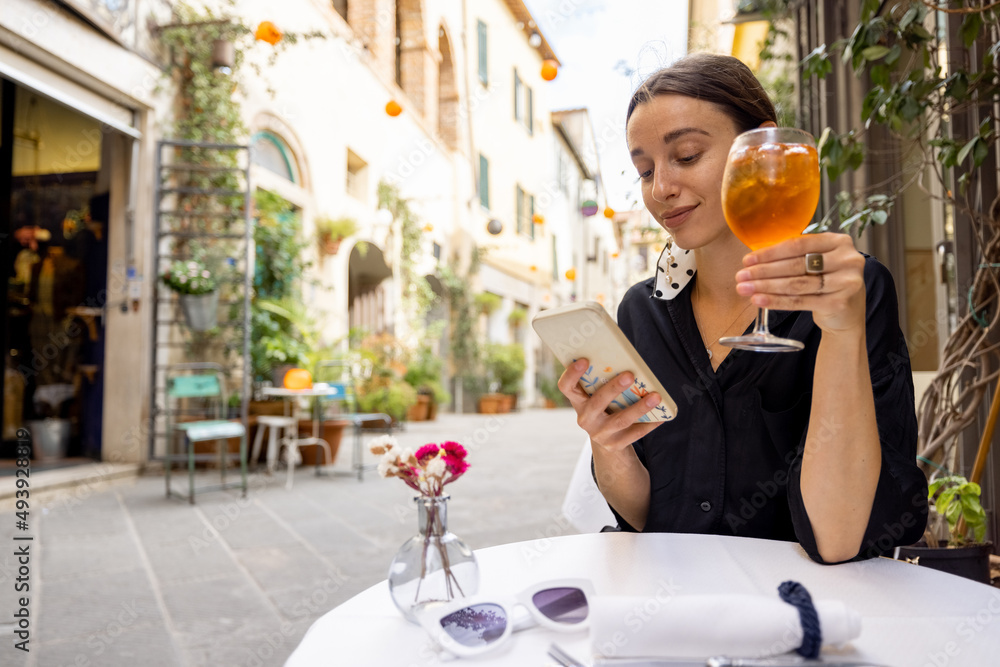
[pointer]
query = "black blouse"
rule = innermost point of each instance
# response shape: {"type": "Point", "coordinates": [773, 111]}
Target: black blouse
{"type": "Point", "coordinates": [730, 462]}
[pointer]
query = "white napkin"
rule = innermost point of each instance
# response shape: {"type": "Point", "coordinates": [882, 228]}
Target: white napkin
{"type": "Point", "coordinates": [701, 626]}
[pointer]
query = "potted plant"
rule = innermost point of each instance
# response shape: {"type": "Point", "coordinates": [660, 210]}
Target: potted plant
{"type": "Point", "coordinates": [424, 375]}
{"type": "Point", "coordinates": [487, 302]}
{"type": "Point", "coordinates": [548, 387]}
{"type": "Point", "coordinates": [517, 317]}
{"type": "Point", "coordinates": [505, 366]}
{"type": "Point", "coordinates": [384, 390]}
{"type": "Point", "coordinates": [331, 231]}
{"type": "Point", "coordinates": [197, 292]}
{"type": "Point", "coordinates": [964, 553]}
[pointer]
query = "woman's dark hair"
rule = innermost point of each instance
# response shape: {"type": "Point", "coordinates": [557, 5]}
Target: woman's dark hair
{"type": "Point", "coordinates": [722, 80]}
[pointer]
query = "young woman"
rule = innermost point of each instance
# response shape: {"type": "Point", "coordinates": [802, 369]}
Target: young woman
{"type": "Point", "coordinates": [817, 446]}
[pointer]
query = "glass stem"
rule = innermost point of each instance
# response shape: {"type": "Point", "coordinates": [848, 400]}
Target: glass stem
{"type": "Point", "coordinates": [760, 327]}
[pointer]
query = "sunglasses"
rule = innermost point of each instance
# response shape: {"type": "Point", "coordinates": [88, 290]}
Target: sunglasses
{"type": "Point", "coordinates": [471, 626]}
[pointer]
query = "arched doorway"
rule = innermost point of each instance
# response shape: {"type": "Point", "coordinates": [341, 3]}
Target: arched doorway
{"type": "Point", "coordinates": [369, 299]}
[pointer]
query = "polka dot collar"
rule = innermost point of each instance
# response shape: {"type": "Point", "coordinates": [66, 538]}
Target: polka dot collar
{"type": "Point", "coordinates": [674, 271]}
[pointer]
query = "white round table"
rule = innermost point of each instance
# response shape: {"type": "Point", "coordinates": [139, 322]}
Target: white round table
{"type": "Point", "coordinates": [911, 616]}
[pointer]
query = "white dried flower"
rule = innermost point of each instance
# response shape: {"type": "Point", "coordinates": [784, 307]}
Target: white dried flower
{"type": "Point", "coordinates": [435, 467]}
{"type": "Point", "coordinates": [387, 466]}
{"type": "Point", "coordinates": [382, 444]}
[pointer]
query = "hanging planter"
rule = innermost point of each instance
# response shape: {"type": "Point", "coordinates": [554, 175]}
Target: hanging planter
{"type": "Point", "coordinates": [330, 232]}
{"type": "Point", "coordinates": [200, 310]}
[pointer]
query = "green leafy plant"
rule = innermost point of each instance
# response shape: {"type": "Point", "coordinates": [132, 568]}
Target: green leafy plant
{"type": "Point", "coordinates": [957, 500]}
{"type": "Point", "coordinates": [487, 302]}
{"type": "Point", "coordinates": [384, 390]}
{"type": "Point", "coordinates": [417, 293]}
{"type": "Point", "coordinates": [281, 331]}
{"type": "Point", "coordinates": [517, 317]}
{"type": "Point", "coordinates": [424, 374]}
{"type": "Point", "coordinates": [549, 388]}
{"type": "Point", "coordinates": [505, 365]}
{"type": "Point", "coordinates": [929, 80]}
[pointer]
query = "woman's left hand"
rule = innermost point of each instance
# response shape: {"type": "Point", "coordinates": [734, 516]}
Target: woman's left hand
{"type": "Point", "coordinates": [775, 277]}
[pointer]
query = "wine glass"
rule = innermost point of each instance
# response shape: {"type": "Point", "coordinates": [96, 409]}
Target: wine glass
{"type": "Point", "coordinates": [770, 189]}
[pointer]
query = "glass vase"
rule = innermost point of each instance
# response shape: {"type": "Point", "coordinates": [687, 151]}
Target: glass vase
{"type": "Point", "coordinates": [433, 566]}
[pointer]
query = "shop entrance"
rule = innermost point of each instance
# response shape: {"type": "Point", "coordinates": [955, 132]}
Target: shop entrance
{"type": "Point", "coordinates": [55, 187]}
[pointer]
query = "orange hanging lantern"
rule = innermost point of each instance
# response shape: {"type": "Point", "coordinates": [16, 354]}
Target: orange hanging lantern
{"type": "Point", "coordinates": [538, 219]}
{"type": "Point", "coordinates": [570, 274]}
{"type": "Point", "coordinates": [267, 32]}
{"type": "Point", "coordinates": [392, 108]}
{"type": "Point", "coordinates": [609, 212]}
{"type": "Point", "coordinates": [428, 227]}
{"type": "Point", "coordinates": [534, 268]}
{"type": "Point", "coordinates": [550, 69]}
{"type": "Point", "coordinates": [298, 378]}
{"type": "Point", "coordinates": [614, 255]}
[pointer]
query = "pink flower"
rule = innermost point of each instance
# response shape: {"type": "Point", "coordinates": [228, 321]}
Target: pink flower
{"type": "Point", "coordinates": [426, 453]}
{"type": "Point", "coordinates": [454, 449]}
{"type": "Point", "coordinates": [455, 465]}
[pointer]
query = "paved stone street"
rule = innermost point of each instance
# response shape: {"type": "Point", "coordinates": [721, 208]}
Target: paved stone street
{"type": "Point", "coordinates": [122, 577]}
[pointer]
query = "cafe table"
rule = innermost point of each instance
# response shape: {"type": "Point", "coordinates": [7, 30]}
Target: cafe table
{"type": "Point", "coordinates": [912, 616]}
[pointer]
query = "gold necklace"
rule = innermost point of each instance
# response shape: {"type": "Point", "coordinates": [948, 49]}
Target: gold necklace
{"type": "Point", "coordinates": [708, 348]}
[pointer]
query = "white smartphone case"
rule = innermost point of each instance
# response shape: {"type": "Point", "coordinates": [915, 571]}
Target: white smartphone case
{"type": "Point", "coordinates": [585, 330]}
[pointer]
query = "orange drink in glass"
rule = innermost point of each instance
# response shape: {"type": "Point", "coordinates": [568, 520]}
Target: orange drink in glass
{"type": "Point", "coordinates": [770, 189]}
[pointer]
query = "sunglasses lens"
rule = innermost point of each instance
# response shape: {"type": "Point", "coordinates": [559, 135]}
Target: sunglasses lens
{"type": "Point", "coordinates": [476, 625]}
{"type": "Point", "coordinates": [562, 605]}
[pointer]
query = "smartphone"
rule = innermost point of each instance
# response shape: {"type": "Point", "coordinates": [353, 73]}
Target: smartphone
{"type": "Point", "coordinates": [585, 330]}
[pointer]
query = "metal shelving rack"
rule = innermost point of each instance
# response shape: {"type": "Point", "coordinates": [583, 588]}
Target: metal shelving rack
{"type": "Point", "coordinates": [187, 214]}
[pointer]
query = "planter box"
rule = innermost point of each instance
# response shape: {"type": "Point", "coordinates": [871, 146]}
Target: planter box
{"type": "Point", "coordinates": [972, 562]}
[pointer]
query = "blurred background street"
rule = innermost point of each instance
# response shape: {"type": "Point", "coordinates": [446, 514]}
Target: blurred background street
{"type": "Point", "coordinates": [122, 577]}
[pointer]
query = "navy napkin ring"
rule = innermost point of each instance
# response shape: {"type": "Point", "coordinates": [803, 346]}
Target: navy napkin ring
{"type": "Point", "coordinates": [796, 595]}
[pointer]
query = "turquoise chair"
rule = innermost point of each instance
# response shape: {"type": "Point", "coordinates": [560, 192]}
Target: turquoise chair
{"type": "Point", "coordinates": [201, 384]}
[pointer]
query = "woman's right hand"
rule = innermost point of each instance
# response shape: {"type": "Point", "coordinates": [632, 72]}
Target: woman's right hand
{"type": "Point", "coordinates": [611, 432]}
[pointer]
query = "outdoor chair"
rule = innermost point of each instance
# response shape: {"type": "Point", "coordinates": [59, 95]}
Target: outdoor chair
{"type": "Point", "coordinates": [343, 394]}
{"type": "Point", "coordinates": [196, 389]}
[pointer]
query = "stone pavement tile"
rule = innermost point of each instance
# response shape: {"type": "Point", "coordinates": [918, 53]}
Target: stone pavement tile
{"type": "Point", "coordinates": [277, 567]}
{"type": "Point", "coordinates": [197, 558]}
{"type": "Point", "coordinates": [257, 529]}
{"type": "Point", "coordinates": [95, 603]}
{"type": "Point", "coordinates": [94, 554]}
{"type": "Point", "coordinates": [323, 532]}
{"type": "Point", "coordinates": [210, 607]}
{"type": "Point", "coordinates": [254, 646]}
{"type": "Point", "coordinates": [148, 644]}
{"type": "Point", "coordinates": [309, 602]}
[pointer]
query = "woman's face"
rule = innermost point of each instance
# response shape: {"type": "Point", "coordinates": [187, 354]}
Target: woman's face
{"type": "Point", "coordinates": [679, 147]}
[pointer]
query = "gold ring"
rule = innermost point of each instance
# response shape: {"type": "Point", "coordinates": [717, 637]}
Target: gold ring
{"type": "Point", "coordinates": [814, 263]}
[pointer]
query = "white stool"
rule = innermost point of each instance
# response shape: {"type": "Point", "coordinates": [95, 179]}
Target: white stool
{"type": "Point", "coordinates": [273, 424]}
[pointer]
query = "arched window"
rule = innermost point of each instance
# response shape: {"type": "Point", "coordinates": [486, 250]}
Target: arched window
{"type": "Point", "coordinates": [413, 56]}
{"type": "Point", "coordinates": [447, 92]}
{"type": "Point", "coordinates": [270, 152]}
